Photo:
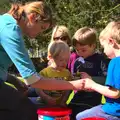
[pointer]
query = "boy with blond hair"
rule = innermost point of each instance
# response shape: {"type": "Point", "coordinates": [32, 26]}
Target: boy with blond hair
{"type": "Point", "coordinates": [89, 62]}
{"type": "Point", "coordinates": [110, 41]}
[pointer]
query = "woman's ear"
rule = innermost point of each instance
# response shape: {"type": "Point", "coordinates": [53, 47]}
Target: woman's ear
{"type": "Point", "coordinates": [32, 18]}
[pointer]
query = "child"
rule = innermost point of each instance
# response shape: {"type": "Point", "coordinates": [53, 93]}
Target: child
{"type": "Point", "coordinates": [110, 41]}
{"type": "Point", "coordinates": [58, 54]}
{"type": "Point", "coordinates": [61, 32]}
{"type": "Point", "coordinates": [88, 62]}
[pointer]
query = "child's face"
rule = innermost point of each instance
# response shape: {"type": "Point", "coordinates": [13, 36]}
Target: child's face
{"type": "Point", "coordinates": [61, 61]}
{"type": "Point", "coordinates": [108, 48]}
{"type": "Point", "coordinates": [85, 50]}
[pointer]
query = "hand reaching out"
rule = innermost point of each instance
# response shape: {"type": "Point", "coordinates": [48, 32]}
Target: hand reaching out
{"type": "Point", "coordinates": [79, 84]}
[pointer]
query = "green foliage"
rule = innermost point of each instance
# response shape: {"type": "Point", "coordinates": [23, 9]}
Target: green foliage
{"type": "Point", "coordinates": [75, 14]}
{"type": "Point", "coordinates": [92, 13]}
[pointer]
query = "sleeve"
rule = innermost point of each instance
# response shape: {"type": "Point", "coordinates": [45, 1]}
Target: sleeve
{"type": "Point", "coordinates": [113, 75]}
{"type": "Point", "coordinates": [103, 66]}
{"type": "Point", "coordinates": [43, 73]}
{"type": "Point", "coordinates": [76, 66]}
{"type": "Point", "coordinates": [69, 63]}
{"type": "Point", "coordinates": [13, 44]}
{"type": "Point", "coordinates": [70, 76]}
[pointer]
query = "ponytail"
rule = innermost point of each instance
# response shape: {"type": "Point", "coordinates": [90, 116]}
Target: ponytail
{"type": "Point", "coordinates": [17, 11]}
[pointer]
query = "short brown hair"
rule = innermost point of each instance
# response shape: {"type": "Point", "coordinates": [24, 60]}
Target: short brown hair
{"type": "Point", "coordinates": [112, 30]}
{"type": "Point", "coordinates": [84, 36]}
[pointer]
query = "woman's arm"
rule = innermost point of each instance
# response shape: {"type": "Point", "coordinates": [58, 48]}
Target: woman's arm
{"type": "Point", "coordinates": [53, 84]}
{"type": "Point", "coordinates": [14, 46]}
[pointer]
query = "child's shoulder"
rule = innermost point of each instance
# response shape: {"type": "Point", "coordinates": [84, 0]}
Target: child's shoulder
{"type": "Point", "coordinates": [66, 71]}
{"type": "Point", "coordinates": [116, 60]}
{"type": "Point", "coordinates": [114, 63]}
{"type": "Point", "coordinates": [45, 69]}
{"type": "Point", "coordinates": [99, 56]}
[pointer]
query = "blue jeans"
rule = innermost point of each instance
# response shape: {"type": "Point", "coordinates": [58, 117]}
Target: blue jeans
{"type": "Point", "coordinates": [95, 112]}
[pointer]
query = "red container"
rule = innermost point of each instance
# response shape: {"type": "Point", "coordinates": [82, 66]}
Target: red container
{"type": "Point", "coordinates": [54, 113]}
{"type": "Point", "coordinates": [93, 118]}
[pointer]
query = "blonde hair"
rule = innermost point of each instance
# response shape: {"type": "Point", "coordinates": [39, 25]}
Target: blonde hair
{"type": "Point", "coordinates": [61, 31]}
{"type": "Point", "coordinates": [57, 47]}
{"type": "Point", "coordinates": [112, 30]}
{"type": "Point", "coordinates": [40, 8]}
{"type": "Point", "coordinates": [84, 36]}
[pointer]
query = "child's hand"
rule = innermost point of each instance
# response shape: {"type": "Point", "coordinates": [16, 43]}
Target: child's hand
{"type": "Point", "coordinates": [85, 75]}
{"type": "Point", "coordinates": [78, 84]}
{"type": "Point", "coordinates": [89, 84]}
{"type": "Point", "coordinates": [51, 101]}
{"type": "Point", "coordinates": [63, 104]}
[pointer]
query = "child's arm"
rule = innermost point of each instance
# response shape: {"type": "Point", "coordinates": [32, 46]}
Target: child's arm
{"type": "Point", "coordinates": [97, 79]}
{"type": "Point", "coordinates": [104, 90]}
{"type": "Point", "coordinates": [48, 99]}
{"type": "Point", "coordinates": [65, 97]}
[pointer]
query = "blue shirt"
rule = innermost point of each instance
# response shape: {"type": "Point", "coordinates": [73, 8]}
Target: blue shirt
{"type": "Point", "coordinates": [112, 106]}
{"type": "Point", "coordinates": [12, 48]}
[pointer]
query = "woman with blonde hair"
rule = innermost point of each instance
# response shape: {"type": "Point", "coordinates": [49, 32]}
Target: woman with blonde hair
{"type": "Point", "coordinates": [61, 32]}
{"type": "Point", "coordinates": [30, 19]}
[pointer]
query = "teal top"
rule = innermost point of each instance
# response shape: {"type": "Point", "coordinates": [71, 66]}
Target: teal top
{"type": "Point", "coordinates": [12, 49]}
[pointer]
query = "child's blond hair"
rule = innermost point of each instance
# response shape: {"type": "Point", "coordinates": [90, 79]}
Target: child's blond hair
{"type": "Point", "coordinates": [60, 32]}
{"type": "Point", "coordinates": [112, 30]}
{"type": "Point", "coordinates": [84, 36]}
{"type": "Point", "coordinates": [57, 47]}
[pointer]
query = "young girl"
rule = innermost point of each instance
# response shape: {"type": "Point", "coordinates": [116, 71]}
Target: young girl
{"type": "Point", "coordinates": [58, 54]}
{"type": "Point", "coordinates": [61, 33]}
